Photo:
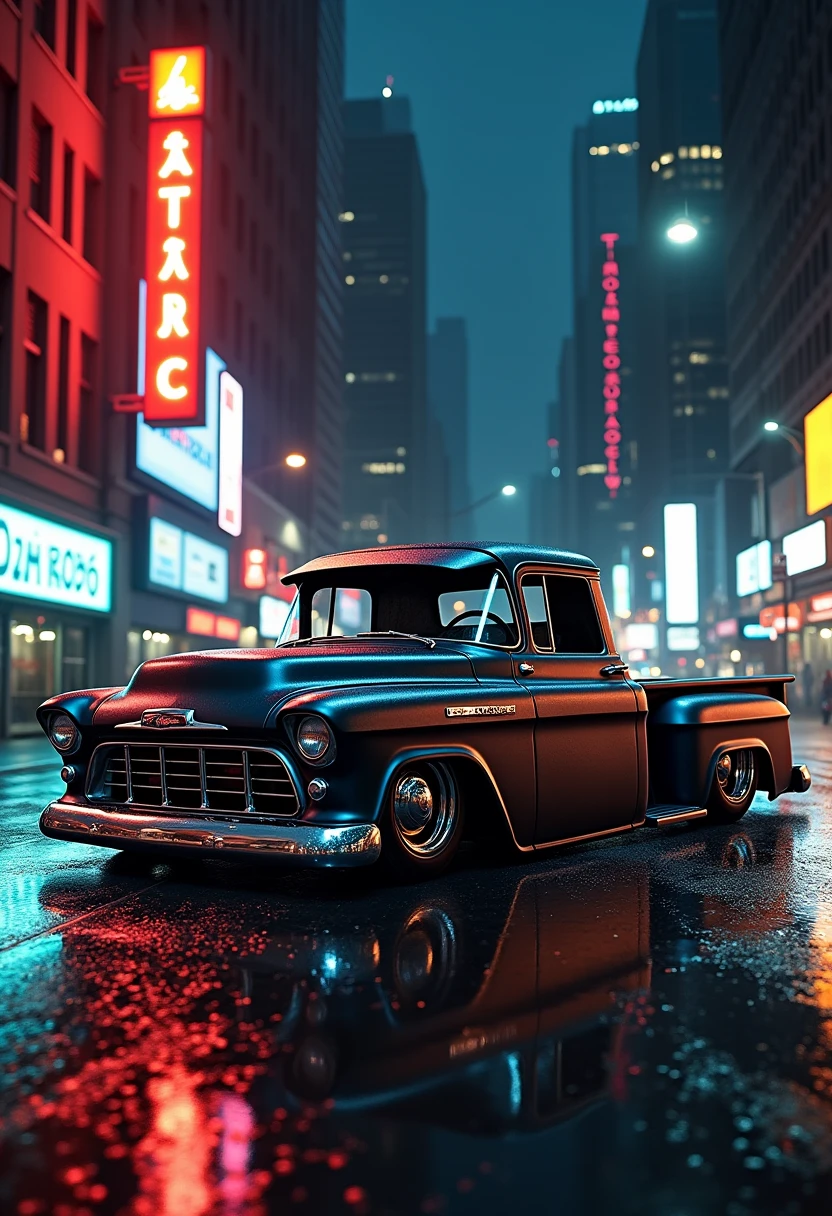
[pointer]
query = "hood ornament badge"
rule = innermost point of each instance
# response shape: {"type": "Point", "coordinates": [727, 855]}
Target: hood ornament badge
{"type": "Point", "coordinates": [168, 719]}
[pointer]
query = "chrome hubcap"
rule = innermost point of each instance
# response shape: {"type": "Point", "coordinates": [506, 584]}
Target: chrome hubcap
{"type": "Point", "coordinates": [735, 774]}
{"type": "Point", "coordinates": [425, 809]}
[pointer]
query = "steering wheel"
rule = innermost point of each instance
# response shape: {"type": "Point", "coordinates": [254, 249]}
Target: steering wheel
{"type": "Point", "coordinates": [489, 616]}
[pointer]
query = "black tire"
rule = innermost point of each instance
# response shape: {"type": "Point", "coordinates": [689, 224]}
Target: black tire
{"type": "Point", "coordinates": [734, 785]}
{"type": "Point", "coordinates": [423, 821]}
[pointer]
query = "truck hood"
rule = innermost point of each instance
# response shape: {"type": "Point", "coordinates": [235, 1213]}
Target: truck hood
{"type": "Point", "coordinates": [238, 688]}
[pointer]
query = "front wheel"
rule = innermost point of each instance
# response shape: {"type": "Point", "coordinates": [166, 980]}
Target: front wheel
{"type": "Point", "coordinates": [734, 785]}
{"type": "Point", "coordinates": [422, 826]}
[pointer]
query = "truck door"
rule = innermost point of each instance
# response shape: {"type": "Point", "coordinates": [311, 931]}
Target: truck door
{"type": "Point", "coordinates": [586, 727]}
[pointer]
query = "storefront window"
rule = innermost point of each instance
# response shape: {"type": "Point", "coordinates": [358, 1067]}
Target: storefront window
{"type": "Point", "coordinates": [45, 657]}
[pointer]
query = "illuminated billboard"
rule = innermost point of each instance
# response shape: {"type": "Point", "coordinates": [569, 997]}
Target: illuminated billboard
{"type": "Point", "coordinates": [43, 560]}
{"type": "Point", "coordinates": [181, 561]}
{"type": "Point", "coordinates": [754, 569]}
{"type": "Point", "coordinates": [681, 564]}
{"type": "Point", "coordinates": [173, 381]}
{"type": "Point", "coordinates": [186, 457]}
{"type": "Point", "coordinates": [230, 517]}
{"type": "Point", "coordinates": [805, 549]}
{"type": "Point", "coordinates": [817, 427]}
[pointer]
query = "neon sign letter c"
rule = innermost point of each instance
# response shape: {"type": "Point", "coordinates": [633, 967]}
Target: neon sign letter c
{"type": "Point", "coordinates": [163, 384]}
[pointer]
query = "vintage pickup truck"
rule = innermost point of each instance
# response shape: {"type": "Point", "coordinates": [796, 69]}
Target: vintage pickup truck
{"type": "Point", "coordinates": [419, 694]}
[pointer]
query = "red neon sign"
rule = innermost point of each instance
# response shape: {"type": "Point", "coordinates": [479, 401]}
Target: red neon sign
{"type": "Point", "coordinates": [611, 316]}
{"type": "Point", "coordinates": [208, 625]}
{"type": "Point", "coordinates": [254, 569]}
{"type": "Point", "coordinates": [173, 381]}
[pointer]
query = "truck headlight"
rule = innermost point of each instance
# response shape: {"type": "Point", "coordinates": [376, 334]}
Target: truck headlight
{"type": "Point", "coordinates": [314, 738]}
{"type": "Point", "coordinates": [63, 733]}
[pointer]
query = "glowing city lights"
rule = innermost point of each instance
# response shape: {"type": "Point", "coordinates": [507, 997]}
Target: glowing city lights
{"type": "Point", "coordinates": [295, 461]}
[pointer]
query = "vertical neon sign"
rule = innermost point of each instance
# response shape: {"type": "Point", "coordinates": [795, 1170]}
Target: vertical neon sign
{"type": "Point", "coordinates": [173, 382]}
{"type": "Point", "coordinates": [611, 316]}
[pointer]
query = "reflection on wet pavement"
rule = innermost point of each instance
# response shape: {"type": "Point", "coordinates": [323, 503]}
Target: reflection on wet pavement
{"type": "Point", "coordinates": [631, 1026]}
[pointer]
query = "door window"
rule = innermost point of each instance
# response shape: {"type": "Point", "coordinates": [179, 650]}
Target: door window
{"type": "Point", "coordinates": [562, 615]}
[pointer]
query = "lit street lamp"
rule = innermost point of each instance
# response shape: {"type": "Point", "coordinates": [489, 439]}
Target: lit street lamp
{"type": "Point", "coordinates": [788, 433]}
{"type": "Point", "coordinates": [682, 231]}
{"type": "Point", "coordinates": [506, 491]}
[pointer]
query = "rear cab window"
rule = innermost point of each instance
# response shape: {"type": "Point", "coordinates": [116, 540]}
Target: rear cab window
{"type": "Point", "coordinates": [562, 614]}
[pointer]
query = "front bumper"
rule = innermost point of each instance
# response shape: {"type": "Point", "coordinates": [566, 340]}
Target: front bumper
{"type": "Point", "coordinates": [357, 844]}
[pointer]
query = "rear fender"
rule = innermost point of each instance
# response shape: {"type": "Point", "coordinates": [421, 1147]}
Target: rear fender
{"type": "Point", "coordinates": [687, 734]}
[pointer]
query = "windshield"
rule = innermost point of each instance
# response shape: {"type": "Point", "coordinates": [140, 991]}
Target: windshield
{"type": "Point", "coordinates": [421, 602]}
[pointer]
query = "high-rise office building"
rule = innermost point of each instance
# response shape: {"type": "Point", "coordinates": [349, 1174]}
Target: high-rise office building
{"type": "Point", "coordinates": [385, 359]}
{"type": "Point", "coordinates": [448, 403]}
{"type": "Point", "coordinates": [776, 66]}
{"type": "Point", "coordinates": [682, 370]}
{"type": "Point", "coordinates": [596, 392]}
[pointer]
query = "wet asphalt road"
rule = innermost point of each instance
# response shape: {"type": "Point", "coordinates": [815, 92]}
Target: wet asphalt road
{"type": "Point", "coordinates": [634, 1026]}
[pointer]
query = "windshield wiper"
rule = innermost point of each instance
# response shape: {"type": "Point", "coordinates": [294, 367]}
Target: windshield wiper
{"type": "Point", "coordinates": [346, 637]}
{"type": "Point", "coordinates": [395, 633]}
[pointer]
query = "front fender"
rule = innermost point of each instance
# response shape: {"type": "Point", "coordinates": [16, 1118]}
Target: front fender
{"type": "Point", "coordinates": [79, 705]}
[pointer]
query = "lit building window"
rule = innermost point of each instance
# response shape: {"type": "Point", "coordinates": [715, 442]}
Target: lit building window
{"type": "Point", "coordinates": [383, 278]}
{"type": "Point", "coordinates": [350, 377]}
{"type": "Point", "coordinates": [382, 467]}
{"type": "Point", "coordinates": [346, 217]}
{"type": "Point", "coordinates": [711, 454]}
{"type": "Point", "coordinates": [350, 280]}
{"type": "Point", "coordinates": [699, 356]}
{"type": "Point", "coordinates": [666, 158]}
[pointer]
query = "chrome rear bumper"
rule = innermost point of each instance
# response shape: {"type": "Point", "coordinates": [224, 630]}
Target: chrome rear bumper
{"type": "Point", "coordinates": [357, 844]}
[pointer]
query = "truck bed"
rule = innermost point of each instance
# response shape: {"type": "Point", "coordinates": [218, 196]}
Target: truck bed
{"type": "Point", "coordinates": [660, 689]}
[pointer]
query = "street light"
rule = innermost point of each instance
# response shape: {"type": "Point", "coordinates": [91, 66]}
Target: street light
{"type": "Point", "coordinates": [295, 461]}
{"type": "Point", "coordinates": [788, 433]}
{"type": "Point", "coordinates": [506, 491]}
{"type": "Point", "coordinates": [682, 231]}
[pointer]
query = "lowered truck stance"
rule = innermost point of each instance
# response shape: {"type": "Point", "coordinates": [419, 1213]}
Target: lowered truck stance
{"type": "Point", "coordinates": [417, 695]}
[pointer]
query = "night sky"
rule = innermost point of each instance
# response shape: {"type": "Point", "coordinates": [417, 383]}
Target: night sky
{"type": "Point", "coordinates": [496, 89]}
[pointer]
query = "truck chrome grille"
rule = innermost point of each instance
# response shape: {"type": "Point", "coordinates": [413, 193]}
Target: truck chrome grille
{"type": "Point", "coordinates": [223, 780]}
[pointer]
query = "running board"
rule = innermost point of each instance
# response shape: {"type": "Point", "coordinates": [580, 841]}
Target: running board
{"type": "Point", "coordinates": [660, 815]}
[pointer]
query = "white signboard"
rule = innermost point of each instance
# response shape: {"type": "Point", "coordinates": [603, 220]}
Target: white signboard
{"type": "Point", "coordinates": [184, 562]}
{"type": "Point", "coordinates": [681, 564]}
{"type": "Point", "coordinates": [186, 457]}
{"type": "Point", "coordinates": [754, 569]}
{"type": "Point", "coordinates": [165, 554]}
{"type": "Point", "coordinates": [806, 548]}
{"type": "Point", "coordinates": [273, 613]}
{"type": "Point", "coordinates": [683, 638]}
{"type": "Point", "coordinates": [42, 560]}
{"type": "Point", "coordinates": [205, 570]}
{"type": "Point", "coordinates": [641, 636]}
{"type": "Point", "coordinates": [230, 517]}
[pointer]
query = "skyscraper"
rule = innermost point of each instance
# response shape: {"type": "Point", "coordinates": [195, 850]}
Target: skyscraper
{"type": "Point", "coordinates": [682, 370]}
{"type": "Point", "coordinates": [385, 360]}
{"type": "Point", "coordinates": [596, 443]}
{"type": "Point", "coordinates": [448, 400]}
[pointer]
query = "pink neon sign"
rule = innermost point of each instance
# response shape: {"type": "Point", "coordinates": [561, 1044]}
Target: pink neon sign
{"type": "Point", "coordinates": [611, 316]}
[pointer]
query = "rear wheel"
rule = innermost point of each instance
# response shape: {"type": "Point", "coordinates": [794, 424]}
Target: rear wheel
{"type": "Point", "coordinates": [423, 824]}
{"type": "Point", "coordinates": [734, 785]}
